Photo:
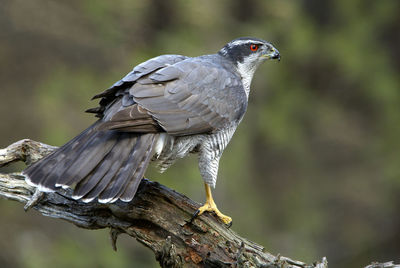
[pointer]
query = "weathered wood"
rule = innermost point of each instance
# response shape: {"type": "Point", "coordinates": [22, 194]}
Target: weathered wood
{"type": "Point", "coordinates": [389, 264]}
{"type": "Point", "coordinates": [157, 217]}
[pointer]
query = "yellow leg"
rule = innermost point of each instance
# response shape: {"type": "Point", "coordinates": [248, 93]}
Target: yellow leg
{"type": "Point", "coordinates": [210, 206]}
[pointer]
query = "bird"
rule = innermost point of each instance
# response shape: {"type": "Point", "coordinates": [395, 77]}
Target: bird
{"type": "Point", "coordinates": [164, 109]}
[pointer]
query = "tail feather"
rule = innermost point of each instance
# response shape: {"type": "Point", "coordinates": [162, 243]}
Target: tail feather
{"type": "Point", "coordinates": [68, 160]}
{"type": "Point", "coordinates": [87, 158]}
{"type": "Point", "coordinates": [117, 157]}
{"type": "Point", "coordinates": [107, 165]}
{"type": "Point", "coordinates": [129, 168]}
{"type": "Point", "coordinates": [91, 180]}
{"type": "Point", "coordinates": [130, 190]}
{"type": "Point", "coordinates": [39, 171]}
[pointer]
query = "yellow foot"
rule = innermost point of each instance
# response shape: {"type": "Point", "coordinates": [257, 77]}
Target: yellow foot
{"type": "Point", "coordinates": [211, 207]}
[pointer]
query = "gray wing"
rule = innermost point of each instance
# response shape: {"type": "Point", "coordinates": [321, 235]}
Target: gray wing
{"type": "Point", "coordinates": [118, 88]}
{"type": "Point", "coordinates": [189, 97]}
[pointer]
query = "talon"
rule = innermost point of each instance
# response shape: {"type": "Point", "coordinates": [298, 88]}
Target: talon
{"type": "Point", "coordinates": [210, 206]}
{"type": "Point", "coordinates": [194, 215]}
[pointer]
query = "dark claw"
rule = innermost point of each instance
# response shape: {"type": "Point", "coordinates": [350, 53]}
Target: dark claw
{"type": "Point", "coordinates": [195, 215]}
{"type": "Point", "coordinates": [229, 225]}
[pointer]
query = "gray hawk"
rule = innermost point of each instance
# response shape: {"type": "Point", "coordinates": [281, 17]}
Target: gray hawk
{"type": "Point", "coordinates": [165, 108]}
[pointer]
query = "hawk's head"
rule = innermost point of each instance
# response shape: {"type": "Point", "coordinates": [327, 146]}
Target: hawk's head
{"type": "Point", "coordinates": [247, 54]}
{"type": "Point", "coordinates": [252, 50]}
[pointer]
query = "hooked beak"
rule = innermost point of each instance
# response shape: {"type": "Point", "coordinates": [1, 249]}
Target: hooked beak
{"type": "Point", "coordinates": [273, 53]}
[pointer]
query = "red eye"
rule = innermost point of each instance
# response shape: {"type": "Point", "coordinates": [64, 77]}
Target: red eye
{"type": "Point", "coordinates": [253, 47]}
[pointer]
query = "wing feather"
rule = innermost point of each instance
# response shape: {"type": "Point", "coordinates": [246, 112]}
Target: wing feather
{"type": "Point", "coordinates": [189, 97]}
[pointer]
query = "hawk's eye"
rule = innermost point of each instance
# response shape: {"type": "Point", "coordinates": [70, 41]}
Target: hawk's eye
{"type": "Point", "coordinates": [253, 47]}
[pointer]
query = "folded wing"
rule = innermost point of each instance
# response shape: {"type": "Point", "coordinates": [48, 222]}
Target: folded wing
{"type": "Point", "coordinates": [185, 98]}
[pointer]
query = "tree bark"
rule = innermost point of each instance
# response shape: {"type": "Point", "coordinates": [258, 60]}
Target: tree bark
{"type": "Point", "coordinates": [158, 217]}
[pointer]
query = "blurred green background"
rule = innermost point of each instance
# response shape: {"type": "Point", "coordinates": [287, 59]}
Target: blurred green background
{"type": "Point", "coordinates": [312, 171]}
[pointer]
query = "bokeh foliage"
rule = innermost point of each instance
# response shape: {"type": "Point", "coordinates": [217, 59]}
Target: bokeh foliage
{"type": "Point", "coordinates": [312, 171]}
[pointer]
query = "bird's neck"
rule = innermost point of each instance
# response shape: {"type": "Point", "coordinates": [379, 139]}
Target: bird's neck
{"type": "Point", "coordinates": [245, 69]}
{"type": "Point", "coordinates": [246, 72]}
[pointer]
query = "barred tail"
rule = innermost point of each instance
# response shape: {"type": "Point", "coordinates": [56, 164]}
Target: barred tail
{"type": "Point", "coordinates": [107, 165]}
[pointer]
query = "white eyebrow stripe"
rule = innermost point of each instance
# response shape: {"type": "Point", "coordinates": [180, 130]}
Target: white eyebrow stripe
{"type": "Point", "coordinates": [242, 42]}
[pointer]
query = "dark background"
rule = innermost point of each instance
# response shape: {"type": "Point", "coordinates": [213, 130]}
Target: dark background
{"type": "Point", "coordinates": [312, 171]}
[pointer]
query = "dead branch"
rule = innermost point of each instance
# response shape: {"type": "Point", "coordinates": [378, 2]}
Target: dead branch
{"type": "Point", "coordinates": [157, 217]}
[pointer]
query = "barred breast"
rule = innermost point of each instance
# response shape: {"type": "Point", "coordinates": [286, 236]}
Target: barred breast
{"type": "Point", "coordinates": [209, 147]}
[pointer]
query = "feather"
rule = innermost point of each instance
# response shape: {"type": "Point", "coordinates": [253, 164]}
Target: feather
{"type": "Point", "coordinates": [95, 110]}
{"type": "Point", "coordinates": [38, 172]}
{"type": "Point", "coordinates": [130, 190]}
{"type": "Point", "coordinates": [144, 91]}
{"type": "Point", "coordinates": [118, 156]}
{"type": "Point", "coordinates": [126, 174]}
{"type": "Point", "coordinates": [87, 158]}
